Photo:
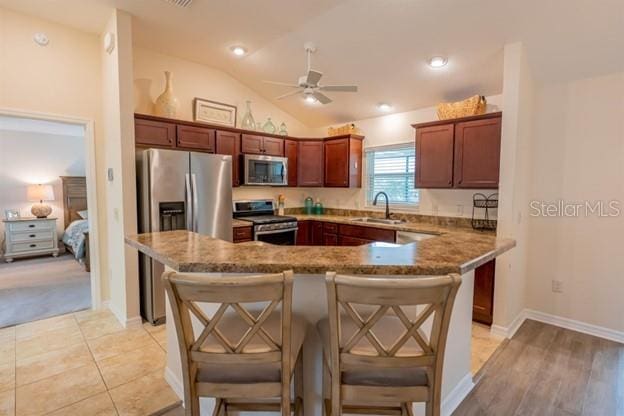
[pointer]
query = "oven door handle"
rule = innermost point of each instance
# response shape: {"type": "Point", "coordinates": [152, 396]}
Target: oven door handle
{"type": "Point", "coordinates": [284, 230]}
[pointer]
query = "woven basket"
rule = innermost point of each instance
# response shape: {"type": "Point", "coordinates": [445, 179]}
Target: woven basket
{"type": "Point", "coordinates": [339, 131]}
{"type": "Point", "coordinates": [472, 106]}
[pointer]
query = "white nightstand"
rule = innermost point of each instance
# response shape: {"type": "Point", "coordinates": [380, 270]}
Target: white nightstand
{"type": "Point", "coordinates": [24, 237]}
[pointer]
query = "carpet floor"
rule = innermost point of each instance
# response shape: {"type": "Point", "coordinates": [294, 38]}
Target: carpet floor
{"type": "Point", "coordinates": [39, 288]}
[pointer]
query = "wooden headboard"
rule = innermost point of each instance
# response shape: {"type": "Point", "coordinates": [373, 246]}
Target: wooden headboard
{"type": "Point", "coordinates": [74, 197]}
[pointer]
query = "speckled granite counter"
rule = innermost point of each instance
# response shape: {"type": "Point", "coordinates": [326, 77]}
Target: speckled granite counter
{"type": "Point", "coordinates": [240, 223]}
{"type": "Point", "coordinates": [455, 250]}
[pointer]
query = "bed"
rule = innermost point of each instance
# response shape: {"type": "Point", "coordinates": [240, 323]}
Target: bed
{"type": "Point", "coordinates": [75, 216]}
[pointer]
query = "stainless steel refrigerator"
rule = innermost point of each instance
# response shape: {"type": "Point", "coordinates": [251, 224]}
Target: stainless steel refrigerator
{"type": "Point", "coordinates": [179, 191]}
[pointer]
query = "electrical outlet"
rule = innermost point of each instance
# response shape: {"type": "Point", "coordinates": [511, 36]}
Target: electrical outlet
{"type": "Point", "coordinates": [557, 286]}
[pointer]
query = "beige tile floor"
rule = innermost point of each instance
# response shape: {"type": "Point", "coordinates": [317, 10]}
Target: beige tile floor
{"type": "Point", "coordinates": [84, 363]}
{"type": "Point", "coordinates": [483, 346]}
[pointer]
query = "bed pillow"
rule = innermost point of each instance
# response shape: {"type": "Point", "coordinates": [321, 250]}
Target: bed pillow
{"type": "Point", "coordinates": [84, 214]}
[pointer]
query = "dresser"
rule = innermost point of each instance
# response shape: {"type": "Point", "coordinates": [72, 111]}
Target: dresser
{"type": "Point", "coordinates": [25, 237]}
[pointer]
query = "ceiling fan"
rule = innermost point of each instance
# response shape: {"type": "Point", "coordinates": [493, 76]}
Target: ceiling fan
{"type": "Point", "coordinates": [309, 85]}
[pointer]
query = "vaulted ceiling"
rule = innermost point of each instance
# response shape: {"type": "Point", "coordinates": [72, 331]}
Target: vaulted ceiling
{"type": "Point", "coordinates": [380, 45]}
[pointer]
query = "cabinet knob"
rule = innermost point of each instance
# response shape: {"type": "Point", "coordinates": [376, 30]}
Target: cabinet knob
{"type": "Point", "coordinates": [32, 236]}
{"type": "Point", "coordinates": [31, 225]}
{"type": "Point", "coordinates": [33, 245]}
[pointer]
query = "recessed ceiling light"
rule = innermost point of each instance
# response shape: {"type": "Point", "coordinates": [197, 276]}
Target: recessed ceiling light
{"type": "Point", "coordinates": [384, 107]}
{"type": "Point", "coordinates": [310, 99]}
{"type": "Point", "coordinates": [438, 62]}
{"type": "Point", "coordinates": [238, 50]}
{"type": "Point", "coordinates": [41, 39]}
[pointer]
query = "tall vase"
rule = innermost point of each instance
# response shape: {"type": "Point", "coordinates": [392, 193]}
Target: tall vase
{"type": "Point", "coordinates": [248, 122]}
{"type": "Point", "coordinates": [166, 104]}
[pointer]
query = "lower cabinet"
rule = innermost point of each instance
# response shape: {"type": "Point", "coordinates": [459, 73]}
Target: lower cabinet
{"type": "Point", "coordinates": [242, 234]}
{"type": "Point", "coordinates": [319, 233]}
{"type": "Point", "coordinates": [483, 301]}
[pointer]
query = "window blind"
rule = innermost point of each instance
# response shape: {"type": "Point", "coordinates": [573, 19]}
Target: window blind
{"type": "Point", "coordinates": [391, 170]}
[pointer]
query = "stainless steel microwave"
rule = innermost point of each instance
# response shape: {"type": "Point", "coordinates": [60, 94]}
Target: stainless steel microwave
{"type": "Point", "coordinates": [265, 170]}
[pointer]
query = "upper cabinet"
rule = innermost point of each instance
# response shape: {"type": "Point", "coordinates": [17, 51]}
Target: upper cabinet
{"type": "Point", "coordinates": [228, 143]}
{"type": "Point", "coordinates": [310, 163]}
{"type": "Point", "coordinates": [262, 145]}
{"type": "Point", "coordinates": [291, 149]}
{"type": "Point", "coordinates": [460, 153]}
{"type": "Point", "coordinates": [196, 138]}
{"type": "Point", "coordinates": [343, 162]}
{"type": "Point", "coordinates": [477, 153]}
{"type": "Point", "coordinates": [154, 133]}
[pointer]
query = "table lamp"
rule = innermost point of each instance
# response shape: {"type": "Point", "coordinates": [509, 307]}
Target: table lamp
{"type": "Point", "coordinates": [40, 193]}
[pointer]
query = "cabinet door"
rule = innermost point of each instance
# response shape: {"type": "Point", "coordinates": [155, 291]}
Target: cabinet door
{"type": "Point", "coordinates": [337, 163]}
{"type": "Point", "coordinates": [290, 151]}
{"type": "Point", "coordinates": [316, 233]}
{"type": "Point", "coordinates": [477, 153]}
{"type": "Point", "coordinates": [272, 146]}
{"type": "Point", "coordinates": [196, 138]}
{"type": "Point", "coordinates": [310, 163]}
{"type": "Point", "coordinates": [483, 300]}
{"type": "Point", "coordinates": [434, 156]}
{"type": "Point", "coordinates": [330, 239]}
{"type": "Point", "coordinates": [154, 133]}
{"type": "Point", "coordinates": [228, 143]}
{"type": "Point", "coordinates": [303, 233]}
{"type": "Point", "coordinates": [344, 240]}
{"type": "Point", "coordinates": [251, 144]}
{"type": "Point", "coordinates": [367, 233]}
{"type": "Point", "coordinates": [242, 234]}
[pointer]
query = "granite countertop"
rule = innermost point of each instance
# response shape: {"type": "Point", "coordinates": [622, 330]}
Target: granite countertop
{"type": "Point", "coordinates": [454, 250]}
{"type": "Point", "coordinates": [240, 223]}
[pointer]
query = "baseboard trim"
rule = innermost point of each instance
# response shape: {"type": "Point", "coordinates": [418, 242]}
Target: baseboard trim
{"type": "Point", "coordinates": [176, 385]}
{"type": "Point", "coordinates": [134, 322]}
{"type": "Point", "coordinates": [560, 321]}
{"type": "Point", "coordinates": [457, 395]}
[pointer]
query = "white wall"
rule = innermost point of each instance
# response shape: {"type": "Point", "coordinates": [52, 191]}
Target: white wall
{"type": "Point", "coordinates": [36, 158]}
{"type": "Point", "coordinates": [192, 80]}
{"type": "Point", "coordinates": [578, 155]}
{"type": "Point", "coordinates": [63, 78]}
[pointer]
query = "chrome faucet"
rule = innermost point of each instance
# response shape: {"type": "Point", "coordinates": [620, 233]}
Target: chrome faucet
{"type": "Point", "coordinates": [387, 203]}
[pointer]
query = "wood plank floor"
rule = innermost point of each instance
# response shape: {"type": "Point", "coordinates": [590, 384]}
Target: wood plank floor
{"type": "Point", "coordinates": [546, 370]}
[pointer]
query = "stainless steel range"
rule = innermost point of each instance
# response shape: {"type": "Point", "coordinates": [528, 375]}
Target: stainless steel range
{"type": "Point", "coordinates": [267, 227]}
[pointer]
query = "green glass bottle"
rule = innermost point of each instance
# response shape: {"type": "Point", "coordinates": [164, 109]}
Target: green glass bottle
{"type": "Point", "coordinates": [308, 205]}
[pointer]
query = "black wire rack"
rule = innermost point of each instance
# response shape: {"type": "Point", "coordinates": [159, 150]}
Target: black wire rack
{"type": "Point", "coordinates": [482, 207]}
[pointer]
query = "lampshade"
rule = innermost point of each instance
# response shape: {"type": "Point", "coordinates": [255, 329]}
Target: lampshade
{"type": "Point", "coordinates": [36, 193]}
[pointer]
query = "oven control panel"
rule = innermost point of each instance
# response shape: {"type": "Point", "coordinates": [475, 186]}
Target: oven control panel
{"type": "Point", "coordinates": [278, 226]}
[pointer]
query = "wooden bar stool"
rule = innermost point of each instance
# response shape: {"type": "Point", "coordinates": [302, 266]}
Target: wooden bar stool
{"type": "Point", "coordinates": [239, 356]}
{"type": "Point", "coordinates": [376, 359]}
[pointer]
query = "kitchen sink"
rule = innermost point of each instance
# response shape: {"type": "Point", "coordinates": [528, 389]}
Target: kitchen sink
{"type": "Point", "coordinates": [377, 220]}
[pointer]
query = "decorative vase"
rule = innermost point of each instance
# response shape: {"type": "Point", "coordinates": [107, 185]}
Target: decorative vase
{"type": "Point", "coordinates": [269, 127]}
{"type": "Point", "coordinates": [166, 104]}
{"type": "Point", "coordinates": [282, 130]}
{"type": "Point", "coordinates": [248, 122]}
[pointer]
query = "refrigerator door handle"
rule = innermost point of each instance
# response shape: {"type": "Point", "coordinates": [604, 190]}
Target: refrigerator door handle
{"type": "Point", "coordinates": [189, 204]}
{"type": "Point", "coordinates": [195, 203]}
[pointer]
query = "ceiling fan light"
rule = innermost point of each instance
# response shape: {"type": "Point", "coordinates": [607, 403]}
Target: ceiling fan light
{"type": "Point", "coordinates": [310, 99]}
{"type": "Point", "coordinates": [438, 62]}
{"type": "Point", "coordinates": [238, 50]}
{"type": "Point", "coordinates": [385, 107]}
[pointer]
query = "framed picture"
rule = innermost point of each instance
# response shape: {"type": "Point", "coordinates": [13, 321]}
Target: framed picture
{"type": "Point", "coordinates": [212, 112]}
{"type": "Point", "coordinates": [11, 214]}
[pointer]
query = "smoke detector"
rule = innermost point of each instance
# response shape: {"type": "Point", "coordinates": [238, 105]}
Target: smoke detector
{"type": "Point", "coordinates": [180, 3]}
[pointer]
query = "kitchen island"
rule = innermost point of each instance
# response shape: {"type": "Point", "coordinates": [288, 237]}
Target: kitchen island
{"type": "Point", "coordinates": [452, 250]}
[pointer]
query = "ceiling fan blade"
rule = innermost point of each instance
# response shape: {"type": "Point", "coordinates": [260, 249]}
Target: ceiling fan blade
{"type": "Point", "coordinates": [339, 88]}
{"type": "Point", "coordinates": [288, 94]}
{"type": "Point", "coordinates": [283, 84]}
{"type": "Point", "coordinates": [313, 77]}
{"type": "Point", "coordinates": [323, 99]}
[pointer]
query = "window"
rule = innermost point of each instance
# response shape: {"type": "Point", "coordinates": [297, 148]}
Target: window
{"type": "Point", "coordinates": [391, 169]}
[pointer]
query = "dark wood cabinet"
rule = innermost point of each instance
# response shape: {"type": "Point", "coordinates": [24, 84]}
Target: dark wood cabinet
{"type": "Point", "coordinates": [261, 145]}
{"type": "Point", "coordinates": [483, 300]}
{"type": "Point", "coordinates": [477, 153]}
{"type": "Point", "coordinates": [316, 233]}
{"type": "Point", "coordinates": [330, 234]}
{"type": "Point", "coordinates": [228, 143]}
{"type": "Point", "coordinates": [344, 240]}
{"type": "Point", "coordinates": [367, 233]}
{"type": "Point", "coordinates": [460, 153]}
{"type": "Point", "coordinates": [434, 156]}
{"type": "Point", "coordinates": [303, 233]}
{"type": "Point", "coordinates": [242, 234]}
{"type": "Point", "coordinates": [196, 138]}
{"type": "Point", "coordinates": [154, 133]}
{"type": "Point", "coordinates": [310, 163]}
{"type": "Point", "coordinates": [290, 151]}
{"type": "Point", "coordinates": [343, 162]}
